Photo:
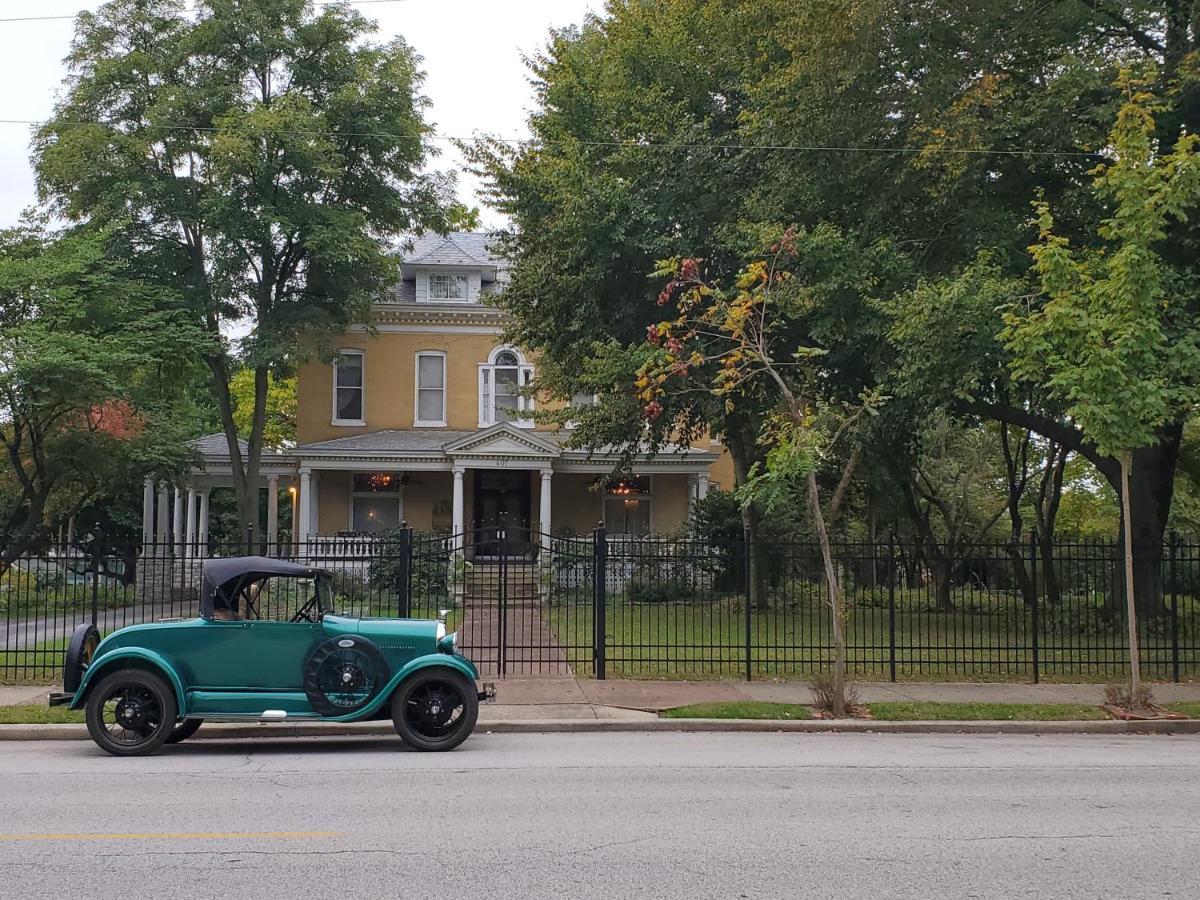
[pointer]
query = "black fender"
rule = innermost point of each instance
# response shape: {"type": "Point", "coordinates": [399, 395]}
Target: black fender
{"type": "Point", "coordinates": [84, 640]}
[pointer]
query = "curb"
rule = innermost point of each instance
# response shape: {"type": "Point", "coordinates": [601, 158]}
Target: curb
{"type": "Point", "coordinates": [220, 730]}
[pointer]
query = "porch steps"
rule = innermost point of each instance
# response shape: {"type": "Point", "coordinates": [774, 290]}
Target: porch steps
{"type": "Point", "coordinates": [484, 580]}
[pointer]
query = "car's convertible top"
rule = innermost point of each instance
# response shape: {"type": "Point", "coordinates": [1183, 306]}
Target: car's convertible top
{"type": "Point", "coordinates": [224, 578]}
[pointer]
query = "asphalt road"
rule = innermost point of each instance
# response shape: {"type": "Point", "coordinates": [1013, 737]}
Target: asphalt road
{"type": "Point", "coordinates": [621, 815]}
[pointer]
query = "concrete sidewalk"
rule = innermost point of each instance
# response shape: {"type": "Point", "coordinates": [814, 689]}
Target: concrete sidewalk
{"type": "Point", "coordinates": [656, 695]}
{"type": "Point", "coordinates": [560, 698]}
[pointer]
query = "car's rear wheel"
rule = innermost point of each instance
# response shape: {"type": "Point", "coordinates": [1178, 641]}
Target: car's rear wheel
{"type": "Point", "coordinates": [130, 712]}
{"type": "Point", "coordinates": [435, 709]}
{"type": "Point", "coordinates": [184, 730]}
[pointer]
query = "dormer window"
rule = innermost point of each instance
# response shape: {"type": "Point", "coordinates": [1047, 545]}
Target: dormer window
{"type": "Point", "coordinates": [447, 287]}
{"type": "Point", "coordinates": [502, 385]}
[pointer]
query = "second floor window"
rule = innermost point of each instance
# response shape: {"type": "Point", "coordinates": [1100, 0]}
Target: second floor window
{"type": "Point", "coordinates": [431, 389]}
{"type": "Point", "coordinates": [447, 287]}
{"type": "Point", "coordinates": [502, 385]}
{"type": "Point", "coordinates": [348, 387]}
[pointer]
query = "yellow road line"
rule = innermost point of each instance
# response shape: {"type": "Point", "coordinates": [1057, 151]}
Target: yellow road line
{"type": "Point", "coordinates": [169, 836]}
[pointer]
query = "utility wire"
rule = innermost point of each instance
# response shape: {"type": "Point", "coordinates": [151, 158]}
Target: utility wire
{"type": "Point", "coordinates": [632, 145]}
{"type": "Point", "coordinates": [71, 16]}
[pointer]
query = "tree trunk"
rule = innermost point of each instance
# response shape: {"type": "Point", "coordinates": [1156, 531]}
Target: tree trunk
{"type": "Point", "coordinates": [1147, 503]}
{"type": "Point", "coordinates": [243, 468]}
{"type": "Point", "coordinates": [1017, 468]}
{"type": "Point", "coordinates": [751, 519]}
{"type": "Point", "coordinates": [837, 609]}
{"type": "Point", "coordinates": [943, 572]}
{"type": "Point", "coordinates": [1135, 667]}
{"type": "Point", "coordinates": [1049, 569]}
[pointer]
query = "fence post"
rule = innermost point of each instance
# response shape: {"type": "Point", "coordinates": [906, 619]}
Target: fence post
{"type": "Point", "coordinates": [1036, 618]}
{"type": "Point", "coordinates": [599, 597]}
{"type": "Point", "coordinates": [892, 605]}
{"type": "Point", "coordinates": [404, 579]}
{"type": "Point", "coordinates": [97, 553]}
{"type": "Point", "coordinates": [749, 549]}
{"type": "Point", "coordinates": [1171, 574]}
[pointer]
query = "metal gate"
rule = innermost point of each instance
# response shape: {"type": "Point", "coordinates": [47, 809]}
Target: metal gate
{"type": "Point", "coordinates": [524, 602]}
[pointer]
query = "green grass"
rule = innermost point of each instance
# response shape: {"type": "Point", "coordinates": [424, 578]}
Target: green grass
{"type": "Point", "coordinates": [1040, 712]}
{"type": "Point", "coordinates": [748, 709]}
{"type": "Point", "coordinates": [40, 664]}
{"type": "Point", "coordinates": [32, 714]}
{"type": "Point", "coordinates": [705, 640]}
{"type": "Point", "coordinates": [1191, 709]}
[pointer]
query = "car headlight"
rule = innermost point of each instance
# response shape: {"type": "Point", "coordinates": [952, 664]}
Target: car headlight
{"type": "Point", "coordinates": [440, 632]}
{"type": "Point", "coordinates": [448, 643]}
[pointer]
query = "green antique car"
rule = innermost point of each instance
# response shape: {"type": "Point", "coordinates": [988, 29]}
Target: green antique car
{"type": "Point", "coordinates": [267, 647]}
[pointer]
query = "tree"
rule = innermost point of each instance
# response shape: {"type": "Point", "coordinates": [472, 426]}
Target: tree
{"type": "Point", "coordinates": [734, 337]}
{"type": "Point", "coordinates": [279, 427]}
{"type": "Point", "coordinates": [951, 492]}
{"type": "Point", "coordinates": [82, 347]}
{"type": "Point", "coordinates": [258, 157]}
{"type": "Point", "coordinates": [1097, 339]}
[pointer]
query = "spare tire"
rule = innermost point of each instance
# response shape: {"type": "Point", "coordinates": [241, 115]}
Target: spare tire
{"type": "Point", "coordinates": [84, 640]}
{"type": "Point", "coordinates": [344, 674]}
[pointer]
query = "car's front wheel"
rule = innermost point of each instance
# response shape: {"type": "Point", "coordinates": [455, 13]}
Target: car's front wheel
{"type": "Point", "coordinates": [435, 709]}
{"type": "Point", "coordinates": [130, 712]}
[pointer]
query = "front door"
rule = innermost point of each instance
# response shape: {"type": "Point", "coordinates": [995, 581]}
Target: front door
{"type": "Point", "coordinates": [502, 511]}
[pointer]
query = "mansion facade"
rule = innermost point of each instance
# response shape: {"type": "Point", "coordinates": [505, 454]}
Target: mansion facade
{"type": "Point", "coordinates": [424, 418]}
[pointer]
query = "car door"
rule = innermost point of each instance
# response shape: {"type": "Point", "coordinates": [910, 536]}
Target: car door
{"type": "Point", "coordinates": [264, 653]}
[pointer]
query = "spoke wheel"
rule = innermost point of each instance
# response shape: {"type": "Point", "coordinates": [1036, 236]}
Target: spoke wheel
{"type": "Point", "coordinates": [130, 712]}
{"type": "Point", "coordinates": [435, 710]}
{"type": "Point", "coordinates": [184, 730]}
{"type": "Point", "coordinates": [344, 675]}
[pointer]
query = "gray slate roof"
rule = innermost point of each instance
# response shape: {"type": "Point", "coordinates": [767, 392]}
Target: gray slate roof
{"type": "Point", "coordinates": [459, 248]}
{"type": "Point", "coordinates": [215, 445]}
{"type": "Point", "coordinates": [390, 441]}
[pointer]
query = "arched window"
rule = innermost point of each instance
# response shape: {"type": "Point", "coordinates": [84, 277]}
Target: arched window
{"type": "Point", "coordinates": [502, 383]}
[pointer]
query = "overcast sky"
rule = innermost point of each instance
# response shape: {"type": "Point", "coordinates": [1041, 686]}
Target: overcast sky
{"type": "Point", "coordinates": [472, 53]}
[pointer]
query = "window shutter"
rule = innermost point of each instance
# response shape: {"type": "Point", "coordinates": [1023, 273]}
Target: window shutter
{"type": "Point", "coordinates": [485, 396]}
{"type": "Point", "coordinates": [526, 380]}
{"type": "Point", "coordinates": [422, 286]}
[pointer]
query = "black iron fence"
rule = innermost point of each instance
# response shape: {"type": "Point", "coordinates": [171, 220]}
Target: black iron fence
{"type": "Point", "coordinates": [599, 605]}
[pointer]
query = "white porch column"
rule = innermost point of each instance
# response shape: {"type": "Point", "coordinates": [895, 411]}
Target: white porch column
{"type": "Point", "coordinates": [148, 512]}
{"type": "Point", "coordinates": [544, 508]}
{"type": "Point", "coordinates": [177, 521]}
{"type": "Point", "coordinates": [272, 515]}
{"type": "Point", "coordinates": [203, 528]}
{"type": "Point", "coordinates": [314, 506]}
{"type": "Point", "coordinates": [163, 532]}
{"type": "Point", "coordinates": [701, 485]}
{"type": "Point", "coordinates": [304, 519]}
{"type": "Point", "coordinates": [189, 531]}
{"type": "Point", "coordinates": [693, 490]}
{"type": "Point", "coordinates": [457, 525]}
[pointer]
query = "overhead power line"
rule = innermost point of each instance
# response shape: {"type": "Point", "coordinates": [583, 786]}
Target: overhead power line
{"type": "Point", "coordinates": [71, 16]}
{"type": "Point", "coordinates": [632, 145]}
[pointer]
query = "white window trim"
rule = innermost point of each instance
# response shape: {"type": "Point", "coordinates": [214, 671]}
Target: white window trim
{"type": "Point", "coordinates": [418, 422]}
{"type": "Point", "coordinates": [362, 390]}
{"type": "Point", "coordinates": [649, 499]}
{"type": "Point", "coordinates": [362, 495]}
{"type": "Point", "coordinates": [429, 275]}
{"type": "Point", "coordinates": [572, 423]}
{"type": "Point", "coordinates": [525, 405]}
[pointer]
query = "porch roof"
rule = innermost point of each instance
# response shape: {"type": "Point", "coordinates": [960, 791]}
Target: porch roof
{"type": "Point", "coordinates": [440, 449]}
